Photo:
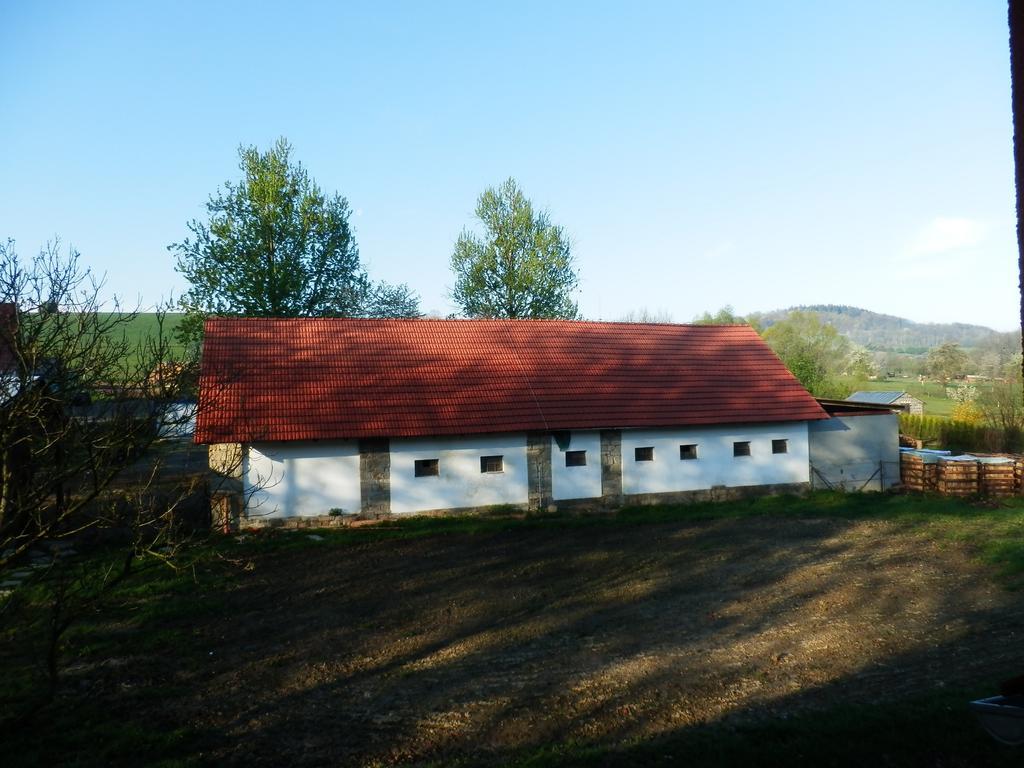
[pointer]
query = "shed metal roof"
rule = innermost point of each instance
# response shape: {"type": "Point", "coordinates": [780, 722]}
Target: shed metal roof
{"type": "Point", "coordinates": [310, 379]}
{"type": "Point", "coordinates": [884, 398]}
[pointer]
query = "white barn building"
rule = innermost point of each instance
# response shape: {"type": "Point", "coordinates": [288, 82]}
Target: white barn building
{"type": "Point", "coordinates": [391, 417]}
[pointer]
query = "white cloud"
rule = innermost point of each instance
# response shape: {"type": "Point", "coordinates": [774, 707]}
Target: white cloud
{"type": "Point", "coordinates": [945, 234]}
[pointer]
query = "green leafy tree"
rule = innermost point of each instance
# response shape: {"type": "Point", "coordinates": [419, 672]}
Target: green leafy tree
{"type": "Point", "coordinates": [725, 316]}
{"type": "Point", "coordinates": [522, 264]}
{"type": "Point", "coordinates": [276, 245]}
{"type": "Point", "coordinates": [861, 363]}
{"type": "Point", "coordinates": [813, 351]}
{"type": "Point", "coordinates": [947, 361]}
{"type": "Point", "coordinates": [1002, 405]}
{"type": "Point", "coordinates": [385, 300]}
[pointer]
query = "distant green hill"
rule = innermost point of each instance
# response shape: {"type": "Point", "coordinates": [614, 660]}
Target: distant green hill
{"type": "Point", "coordinates": [889, 333]}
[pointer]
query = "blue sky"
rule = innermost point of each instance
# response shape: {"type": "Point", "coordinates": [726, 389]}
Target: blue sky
{"type": "Point", "coordinates": [699, 154]}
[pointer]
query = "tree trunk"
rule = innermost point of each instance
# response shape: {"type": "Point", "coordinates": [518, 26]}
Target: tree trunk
{"type": "Point", "coordinates": [1016, 18]}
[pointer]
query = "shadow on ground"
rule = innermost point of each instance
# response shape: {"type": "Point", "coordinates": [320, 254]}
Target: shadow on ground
{"type": "Point", "coordinates": [705, 643]}
{"type": "Point", "coordinates": [501, 644]}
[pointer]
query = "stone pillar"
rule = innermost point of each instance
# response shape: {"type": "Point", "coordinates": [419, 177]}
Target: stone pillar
{"type": "Point", "coordinates": [538, 469]}
{"type": "Point", "coordinates": [225, 486]}
{"type": "Point", "coordinates": [225, 511]}
{"type": "Point", "coordinates": [226, 459]}
{"type": "Point", "coordinates": [611, 467]}
{"type": "Point", "coordinates": [375, 477]}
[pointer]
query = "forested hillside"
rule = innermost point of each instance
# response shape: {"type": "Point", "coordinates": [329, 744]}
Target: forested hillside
{"type": "Point", "coordinates": [880, 332]}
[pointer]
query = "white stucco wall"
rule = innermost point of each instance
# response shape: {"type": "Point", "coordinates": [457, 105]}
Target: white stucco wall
{"type": "Point", "coordinates": [301, 479]}
{"type": "Point", "coordinates": [460, 483]}
{"type": "Point", "coordinates": [715, 464]}
{"type": "Point", "coordinates": [177, 421]}
{"type": "Point", "coordinates": [577, 482]}
{"type": "Point", "coordinates": [311, 478]}
{"type": "Point", "coordinates": [856, 452]}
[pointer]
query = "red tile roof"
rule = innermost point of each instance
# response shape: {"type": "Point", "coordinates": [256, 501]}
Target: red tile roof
{"type": "Point", "coordinates": [309, 379]}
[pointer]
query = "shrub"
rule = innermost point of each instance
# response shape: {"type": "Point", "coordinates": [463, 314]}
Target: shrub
{"type": "Point", "coordinates": [967, 412]}
{"type": "Point", "coordinates": [957, 435]}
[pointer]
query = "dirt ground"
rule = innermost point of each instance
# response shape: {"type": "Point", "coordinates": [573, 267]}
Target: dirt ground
{"type": "Point", "coordinates": [480, 645]}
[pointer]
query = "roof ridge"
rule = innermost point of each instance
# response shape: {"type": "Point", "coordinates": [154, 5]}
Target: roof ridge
{"type": "Point", "coordinates": [472, 320]}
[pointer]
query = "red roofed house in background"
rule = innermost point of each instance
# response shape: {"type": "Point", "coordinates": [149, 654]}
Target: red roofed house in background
{"type": "Point", "coordinates": [375, 417]}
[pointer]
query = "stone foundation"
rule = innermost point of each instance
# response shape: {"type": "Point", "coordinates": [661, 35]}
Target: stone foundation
{"type": "Point", "coordinates": [718, 493]}
{"type": "Point", "coordinates": [566, 506]}
{"type": "Point", "coordinates": [290, 523]}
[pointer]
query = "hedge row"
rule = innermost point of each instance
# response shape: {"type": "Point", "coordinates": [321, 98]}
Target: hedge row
{"type": "Point", "coordinates": [960, 436]}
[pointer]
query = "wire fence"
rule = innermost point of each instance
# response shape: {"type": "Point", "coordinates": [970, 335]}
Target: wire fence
{"type": "Point", "coordinates": [855, 476]}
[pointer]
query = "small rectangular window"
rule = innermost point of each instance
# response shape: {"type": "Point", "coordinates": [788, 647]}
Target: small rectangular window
{"type": "Point", "coordinates": [492, 464]}
{"type": "Point", "coordinates": [644, 454]}
{"type": "Point", "coordinates": [688, 451]}
{"type": "Point", "coordinates": [741, 448]}
{"type": "Point", "coordinates": [780, 446]}
{"type": "Point", "coordinates": [575, 458]}
{"type": "Point", "coordinates": [425, 467]}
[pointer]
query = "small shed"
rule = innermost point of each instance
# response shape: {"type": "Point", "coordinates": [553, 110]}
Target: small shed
{"type": "Point", "coordinates": [856, 448]}
{"type": "Point", "coordinates": [891, 398]}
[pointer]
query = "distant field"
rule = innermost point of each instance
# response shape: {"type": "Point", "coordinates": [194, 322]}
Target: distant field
{"type": "Point", "coordinates": [145, 325]}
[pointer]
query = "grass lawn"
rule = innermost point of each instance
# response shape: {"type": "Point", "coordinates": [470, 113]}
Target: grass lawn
{"type": "Point", "coordinates": [827, 630]}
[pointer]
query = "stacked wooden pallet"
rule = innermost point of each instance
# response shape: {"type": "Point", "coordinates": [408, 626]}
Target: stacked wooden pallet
{"type": "Point", "coordinates": [962, 475]}
{"type": "Point", "coordinates": [957, 478]}
{"type": "Point", "coordinates": [916, 474]}
{"type": "Point", "coordinates": [997, 478]}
